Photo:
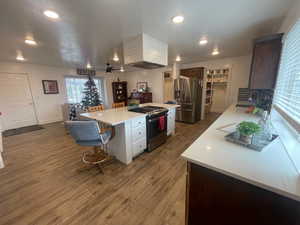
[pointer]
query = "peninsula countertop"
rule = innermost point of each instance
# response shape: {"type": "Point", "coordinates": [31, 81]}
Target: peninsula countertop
{"type": "Point", "coordinates": [270, 169]}
{"type": "Point", "coordinates": [120, 115]}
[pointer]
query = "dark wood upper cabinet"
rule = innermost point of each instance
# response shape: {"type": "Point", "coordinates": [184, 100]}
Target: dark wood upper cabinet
{"type": "Point", "coordinates": [265, 62]}
{"type": "Point", "coordinates": [193, 72]}
{"type": "Point", "coordinates": [119, 91]}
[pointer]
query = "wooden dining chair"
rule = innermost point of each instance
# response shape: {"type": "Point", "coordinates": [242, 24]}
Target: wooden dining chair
{"type": "Point", "coordinates": [95, 108]}
{"type": "Point", "coordinates": [103, 127]}
{"type": "Point", "coordinates": [118, 105]}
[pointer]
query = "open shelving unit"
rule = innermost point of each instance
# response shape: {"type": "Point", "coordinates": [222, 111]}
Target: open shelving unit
{"type": "Point", "coordinates": [215, 78]}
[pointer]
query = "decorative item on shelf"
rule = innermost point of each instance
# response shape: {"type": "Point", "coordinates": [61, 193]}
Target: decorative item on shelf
{"type": "Point", "coordinates": [247, 130]}
{"type": "Point", "coordinates": [119, 90]}
{"type": "Point", "coordinates": [142, 86]}
{"type": "Point", "coordinates": [50, 87]}
{"type": "Point", "coordinates": [90, 94]}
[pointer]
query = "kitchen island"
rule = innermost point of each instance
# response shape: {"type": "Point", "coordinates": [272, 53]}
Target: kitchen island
{"type": "Point", "coordinates": [130, 138]}
{"type": "Point", "coordinates": [228, 184]}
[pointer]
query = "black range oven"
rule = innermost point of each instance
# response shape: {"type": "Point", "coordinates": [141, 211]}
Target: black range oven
{"type": "Point", "coordinates": [157, 123]}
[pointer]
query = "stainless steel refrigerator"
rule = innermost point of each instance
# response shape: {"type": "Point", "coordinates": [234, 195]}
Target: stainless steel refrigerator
{"type": "Point", "coordinates": [188, 94]}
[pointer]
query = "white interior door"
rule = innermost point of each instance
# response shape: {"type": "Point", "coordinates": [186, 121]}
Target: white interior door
{"type": "Point", "coordinates": [16, 102]}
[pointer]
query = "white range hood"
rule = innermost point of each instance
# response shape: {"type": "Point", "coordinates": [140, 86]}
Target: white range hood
{"type": "Point", "coordinates": [145, 52]}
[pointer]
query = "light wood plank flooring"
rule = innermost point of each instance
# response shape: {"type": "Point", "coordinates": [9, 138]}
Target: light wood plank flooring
{"type": "Point", "coordinates": [44, 182]}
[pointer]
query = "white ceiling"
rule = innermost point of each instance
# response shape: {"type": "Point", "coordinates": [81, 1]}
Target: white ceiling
{"type": "Point", "coordinates": [91, 30]}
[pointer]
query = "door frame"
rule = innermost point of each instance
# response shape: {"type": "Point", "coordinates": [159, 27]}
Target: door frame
{"type": "Point", "coordinates": [30, 90]}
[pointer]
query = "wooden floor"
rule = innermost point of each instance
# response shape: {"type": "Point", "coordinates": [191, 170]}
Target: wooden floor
{"type": "Point", "coordinates": [44, 182]}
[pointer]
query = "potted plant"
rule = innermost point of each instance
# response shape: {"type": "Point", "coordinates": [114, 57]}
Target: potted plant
{"type": "Point", "coordinates": [247, 130]}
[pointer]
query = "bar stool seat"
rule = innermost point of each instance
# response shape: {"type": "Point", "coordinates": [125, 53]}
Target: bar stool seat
{"type": "Point", "coordinates": [88, 133]}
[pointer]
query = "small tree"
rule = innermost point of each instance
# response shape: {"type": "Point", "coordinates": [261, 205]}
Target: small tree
{"type": "Point", "coordinates": [91, 94]}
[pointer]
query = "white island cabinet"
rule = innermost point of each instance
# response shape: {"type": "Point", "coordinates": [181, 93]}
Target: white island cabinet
{"type": "Point", "coordinates": [130, 138]}
{"type": "Point", "coordinates": [171, 121]}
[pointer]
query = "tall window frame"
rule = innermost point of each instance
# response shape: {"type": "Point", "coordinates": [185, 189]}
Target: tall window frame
{"type": "Point", "coordinates": [74, 87]}
{"type": "Point", "coordinates": [287, 91]}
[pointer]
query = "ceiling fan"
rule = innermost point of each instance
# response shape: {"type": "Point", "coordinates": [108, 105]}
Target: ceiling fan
{"type": "Point", "coordinates": [109, 68]}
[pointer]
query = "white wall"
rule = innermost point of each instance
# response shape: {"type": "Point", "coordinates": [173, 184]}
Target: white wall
{"type": "Point", "coordinates": [291, 18]}
{"type": "Point", "coordinates": [240, 72]}
{"type": "Point", "coordinates": [154, 78]}
{"type": "Point", "coordinates": [240, 67]}
{"type": "Point", "coordinates": [49, 107]}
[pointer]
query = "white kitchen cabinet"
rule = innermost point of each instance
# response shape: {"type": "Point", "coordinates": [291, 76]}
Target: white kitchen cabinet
{"type": "Point", "coordinates": [171, 121]}
{"type": "Point", "coordinates": [139, 133]}
{"type": "Point", "coordinates": [139, 122]}
{"type": "Point", "coordinates": [139, 147]}
{"type": "Point", "coordinates": [139, 136]}
{"type": "Point", "coordinates": [130, 138]}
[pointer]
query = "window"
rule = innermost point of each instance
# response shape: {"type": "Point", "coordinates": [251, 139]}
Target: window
{"type": "Point", "coordinates": [75, 86]}
{"type": "Point", "coordinates": [287, 92]}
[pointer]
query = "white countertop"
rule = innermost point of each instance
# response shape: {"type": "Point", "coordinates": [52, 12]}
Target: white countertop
{"type": "Point", "coordinates": [120, 115]}
{"type": "Point", "coordinates": [270, 169]}
{"type": "Point", "coordinates": [168, 106]}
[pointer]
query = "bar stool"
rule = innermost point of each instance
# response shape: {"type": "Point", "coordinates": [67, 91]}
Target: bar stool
{"type": "Point", "coordinates": [87, 133]}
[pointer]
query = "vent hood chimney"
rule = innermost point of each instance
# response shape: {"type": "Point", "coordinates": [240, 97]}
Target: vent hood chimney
{"type": "Point", "coordinates": [145, 52]}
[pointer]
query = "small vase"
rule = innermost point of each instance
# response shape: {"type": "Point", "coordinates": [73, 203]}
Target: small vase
{"type": "Point", "coordinates": [246, 139]}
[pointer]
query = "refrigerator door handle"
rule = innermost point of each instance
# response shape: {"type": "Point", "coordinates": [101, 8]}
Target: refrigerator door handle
{"type": "Point", "coordinates": [201, 83]}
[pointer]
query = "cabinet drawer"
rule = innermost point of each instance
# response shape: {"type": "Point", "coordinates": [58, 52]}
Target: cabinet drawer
{"type": "Point", "coordinates": [171, 127]}
{"type": "Point", "coordinates": [139, 133]}
{"type": "Point", "coordinates": [139, 147]}
{"type": "Point", "coordinates": [139, 122]}
{"type": "Point", "coordinates": [171, 117]}
{"type": "Point", "coordinates": [171, 112]}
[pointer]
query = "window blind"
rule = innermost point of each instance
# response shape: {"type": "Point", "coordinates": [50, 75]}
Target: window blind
{"type": "Point", "coordinates": [75, 86]}
{"type": "Point", "coordinates": [287, 91]}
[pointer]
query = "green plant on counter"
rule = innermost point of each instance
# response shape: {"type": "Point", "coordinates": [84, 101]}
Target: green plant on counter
{"type": "Point", "coordinates": [248, 128]}
{"type": "Point", "coordinates": [257, 111]}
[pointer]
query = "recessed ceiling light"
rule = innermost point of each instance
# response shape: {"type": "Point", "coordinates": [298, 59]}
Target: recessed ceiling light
{"type": "Point", "coordinates": [215, 52]}
{"type": "Point", "coordinates": [116, 58]}
{"type": "Point", "coordinates": [122, 69]}
{"type": "Point", "coordinates": [178, 19]}
{"type": "Point", "coordinates": [88, 66]}
{"type": "Point", "coordinates": [203, 41]}
{"type": "Point", "coordinates": [30, 42]}
{"type": "Point", "coordinates": [178, 58]}
{"type": "Point", "coordinates": [51, 14]}
{"type": "Point", "coordinates": [20, 58]}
